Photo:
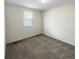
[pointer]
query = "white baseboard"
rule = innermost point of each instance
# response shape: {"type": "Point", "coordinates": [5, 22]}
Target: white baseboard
{"type": "Point", "coordinates": [60, 39]}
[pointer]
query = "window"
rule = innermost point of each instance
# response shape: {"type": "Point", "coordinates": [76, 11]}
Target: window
{"type": "Point", "coordinates": [28, 17]}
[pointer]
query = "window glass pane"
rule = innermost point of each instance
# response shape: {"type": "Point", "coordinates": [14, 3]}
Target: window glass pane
{"type": "Point", "coordinates": [28, 22]}
{"type": "Point", "coordinates": [28, 15]}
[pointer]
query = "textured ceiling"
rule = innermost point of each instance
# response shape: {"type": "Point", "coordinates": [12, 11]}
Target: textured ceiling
{"type": "Point", "coordinates": [36, 4]}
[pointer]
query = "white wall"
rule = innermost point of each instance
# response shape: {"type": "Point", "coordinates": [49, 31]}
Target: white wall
{"type": "Point", "coordinates": [59, 23]}
{"type": "Point", "coordinates": [15, 29]}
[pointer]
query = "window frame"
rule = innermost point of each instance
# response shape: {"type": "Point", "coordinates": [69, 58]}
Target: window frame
{"type": "Point", "coordinates": [28, 21]}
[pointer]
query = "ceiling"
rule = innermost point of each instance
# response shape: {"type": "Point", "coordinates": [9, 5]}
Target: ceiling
{"type": "Point", "coordinates": [37, 4]}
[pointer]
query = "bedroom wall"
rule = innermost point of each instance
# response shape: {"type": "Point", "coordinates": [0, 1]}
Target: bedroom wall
{"type": "Point", "coordinates": [59, 22]}
{"type": "Point", "coordinates": [14, 24]}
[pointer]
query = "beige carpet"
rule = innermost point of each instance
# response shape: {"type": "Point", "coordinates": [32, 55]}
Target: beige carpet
{"type": "Point", "coordinates": [40, 47]}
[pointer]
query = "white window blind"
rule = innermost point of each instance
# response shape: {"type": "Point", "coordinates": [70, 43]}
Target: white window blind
{"type": "Point", "coordinates": [28, 17]}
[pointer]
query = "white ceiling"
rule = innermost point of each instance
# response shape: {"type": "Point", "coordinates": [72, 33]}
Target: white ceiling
{"type": "Point", "coordinates": [36, 4]}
